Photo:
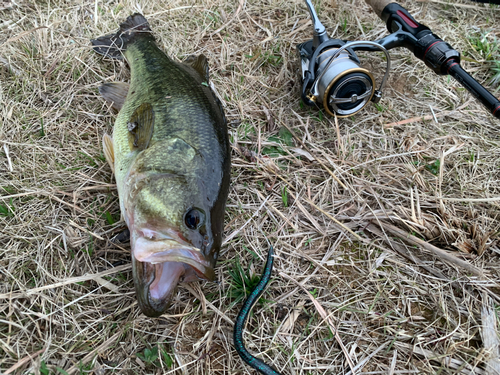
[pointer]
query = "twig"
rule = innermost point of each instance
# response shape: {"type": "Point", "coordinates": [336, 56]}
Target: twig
{"type": "Point", "coordinates": [86, 230]}
{"type": "Point", "coordinates": [278, 212]}
{"type": "Point", "coordinates": [21, 194]}
{"type": "Point", "coordinates": [426, 118]}
{"type": "Point", "coordinates": [46, 194]}
{"type": "Point", "coordinates": [393, 362]}
{"type": "Point", "coordinates": [71, 280]}
{"type": "Point", "coordinates": [232, 235]}
{"type": "Point", "coordinates": [171, 10]}
{"type": "Point", "coordinates": [447, 361]}
{"type": "Point", "coordinates": [492, 199]}
{"type": "Point", "coordinates": [307, 149]}
{"type": "Point", "coordinates": [406, 254]}
{"type": "Point", "coordinates": [327, 318]}
{"type": "Point", "coordinates": [9, 162]}
{"type": "Point", "coordinates": [305, 26]}
{"type": "Point", "coordinates": [447, 3]}
{"type": "Point", "coordinates": [209, 304]}
{"type": "Point", "coordinates": [198, 293]}
{"type": "Point", "coordinates": [23, 361]}
{"type": "Point", "coordinates": [489, 335]}
{"type": "Point", "coordinates": [427, 246]}
{"type": "Point", "coordinates": [371, 355]}
{"type": "Point", "coordinates": [323, 212]}
{"type": "Point", "coordinates": [10, 67]}
{"type": "Point", "coordinates": [238, 10]}
{"type": "Point", "coordinates": [22, 34]}
{"type": "Point", "coordinates": [100, 349]}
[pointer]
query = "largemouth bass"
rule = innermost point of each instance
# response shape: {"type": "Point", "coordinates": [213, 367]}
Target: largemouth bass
{"type": "Point", "coordinates": [170, 154]}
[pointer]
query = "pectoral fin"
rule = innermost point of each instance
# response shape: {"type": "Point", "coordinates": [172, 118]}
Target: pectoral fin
{"type": "Point", "coordinates": [114, 93]}
{"type": "Point", "coordinates": [140, 127]}
{"type": "Point", "coordinates": [200, 64]}
{"type": "Point", "coordinates": [109, 153]}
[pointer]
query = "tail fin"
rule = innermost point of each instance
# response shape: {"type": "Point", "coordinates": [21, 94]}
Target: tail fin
{"type": "Point", "coordinates": [113, 45]}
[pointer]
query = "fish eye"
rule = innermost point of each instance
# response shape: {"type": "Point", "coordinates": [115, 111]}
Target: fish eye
{"type": "Point", "coordinates": [194, 218]}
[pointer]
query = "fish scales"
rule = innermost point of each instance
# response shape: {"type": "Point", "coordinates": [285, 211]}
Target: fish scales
{"type": "Point", "coordinates": [180, 103]}
{"type": "Point", "coordinates": [171, 157]}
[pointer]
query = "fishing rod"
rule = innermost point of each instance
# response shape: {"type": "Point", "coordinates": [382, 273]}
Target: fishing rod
{"type": "Point", "coordinates": [332, 76]}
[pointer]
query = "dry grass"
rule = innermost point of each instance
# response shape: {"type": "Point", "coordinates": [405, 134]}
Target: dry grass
{"type": "Point", "coordinates": [345, 224]}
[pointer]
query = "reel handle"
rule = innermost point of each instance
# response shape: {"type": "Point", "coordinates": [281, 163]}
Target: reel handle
{"type": "Point", "coordinates": [319, 34]}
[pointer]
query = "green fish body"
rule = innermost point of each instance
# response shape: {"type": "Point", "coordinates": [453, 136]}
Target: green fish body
{"type": "Point", "coordinates": [171, 157]}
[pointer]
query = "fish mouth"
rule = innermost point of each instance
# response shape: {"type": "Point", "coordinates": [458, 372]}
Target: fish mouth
{"type": "Point", "coordinates": [160, 262]}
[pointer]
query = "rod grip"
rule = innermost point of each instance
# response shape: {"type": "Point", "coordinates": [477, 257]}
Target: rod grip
{"type": "Point", "coordinates": [378, 5]}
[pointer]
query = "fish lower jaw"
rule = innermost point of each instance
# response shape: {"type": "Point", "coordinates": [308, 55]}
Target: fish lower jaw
{"type": "Point", "coordinates": [165, 263]}
{"type": "Point", "coordinates": [166, 279]}
{"type": "Point", "coordinates": [158, 286]}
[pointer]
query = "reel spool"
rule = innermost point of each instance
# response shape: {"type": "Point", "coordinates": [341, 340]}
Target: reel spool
{"type": "Point", "coordinates": [344, 87]}
{"type": "Point", "coordinates": [332, 73]}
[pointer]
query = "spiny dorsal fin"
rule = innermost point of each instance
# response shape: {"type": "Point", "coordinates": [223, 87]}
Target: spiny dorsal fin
{"type": "Point", "coordinates": [114, 93]}
{"type": "Point", "coordinates": [200, 64]}
{"type": "Point", "coordinates": [113, 45]}
{"type": "Point", "coordinates": [109, 152]}
{"type": "Point", "coordinates": [140, 127]}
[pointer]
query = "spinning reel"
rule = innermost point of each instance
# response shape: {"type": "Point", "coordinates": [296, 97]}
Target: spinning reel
{"type": "Point", "coordinates": [332, 76]}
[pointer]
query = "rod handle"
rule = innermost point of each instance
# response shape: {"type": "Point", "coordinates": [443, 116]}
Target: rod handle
{"type": "Point", "coordinates": [378, 5]}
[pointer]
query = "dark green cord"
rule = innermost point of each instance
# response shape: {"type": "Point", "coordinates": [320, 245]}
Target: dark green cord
{"type": "Point", "coordinates": [252, 361]}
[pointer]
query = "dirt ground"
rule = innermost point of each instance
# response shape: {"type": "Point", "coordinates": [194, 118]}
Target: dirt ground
{"type": "Point", "coordinates": [385, 224]}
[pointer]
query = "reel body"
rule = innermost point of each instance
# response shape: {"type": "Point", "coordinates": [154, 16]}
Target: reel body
{"type": "Point", "coordinates": [338, 83]}
{"type": "Point", "coordinates": [332, 76]}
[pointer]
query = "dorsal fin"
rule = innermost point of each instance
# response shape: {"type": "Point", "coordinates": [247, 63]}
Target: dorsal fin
{"type": "Point", "coordinates": [140, 127]}
{"type": "Point", "coordinates": [114, 93]}
{"type": "Point", "coordinates": [200, 64]}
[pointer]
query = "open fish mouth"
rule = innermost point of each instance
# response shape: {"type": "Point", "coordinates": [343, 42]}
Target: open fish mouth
{"type": "Point", "coordinates": [162, 262]}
